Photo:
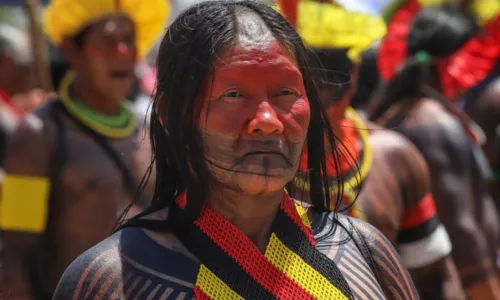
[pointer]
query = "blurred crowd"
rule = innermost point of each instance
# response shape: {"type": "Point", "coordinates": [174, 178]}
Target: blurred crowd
{"type": "Point", "coordinates": [410, 87]}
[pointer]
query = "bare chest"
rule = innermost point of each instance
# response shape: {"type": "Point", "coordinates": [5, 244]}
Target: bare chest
{"type": "Point", "coordinates": [91, 190]}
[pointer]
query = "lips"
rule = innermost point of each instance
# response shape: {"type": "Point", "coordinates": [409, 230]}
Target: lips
{"type": "Point", "coordinates": [247, 157]}
{"type": "Point", "coordinates": [264, 153]}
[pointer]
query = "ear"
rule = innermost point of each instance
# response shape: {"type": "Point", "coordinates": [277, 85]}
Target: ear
{"type": "Point", "coordinates": [70, 51]}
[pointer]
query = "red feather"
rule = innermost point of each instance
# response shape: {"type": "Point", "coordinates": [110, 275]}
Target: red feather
{"type": "Point", "coordinates": [459, 72]}
{"type": "Point", "coordinates": [473, 62]}
{"type": "Point", "coordinates": [392, 52]}
{"type": "Point", "coordinates": [289, 9]}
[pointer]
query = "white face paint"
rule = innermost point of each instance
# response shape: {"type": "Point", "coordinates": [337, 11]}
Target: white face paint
{"type": "Point", "coordinates": [110, 26]}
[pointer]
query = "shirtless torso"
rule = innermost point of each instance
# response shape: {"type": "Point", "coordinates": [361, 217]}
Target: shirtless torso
{"type": "Point", "coordinates": [90, 193]}
{"type": "Point", "coordinates": [139, 264]}
{"type": "Point", "coordinates": [459, 185]}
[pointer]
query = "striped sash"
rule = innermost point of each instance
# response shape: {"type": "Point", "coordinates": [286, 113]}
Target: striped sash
{"type": "Point", "coordinates": [232, 267]}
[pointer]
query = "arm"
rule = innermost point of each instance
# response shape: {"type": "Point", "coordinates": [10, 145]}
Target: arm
{"type": "Point", "coordinates": [446, 149]}
{"type": "Point", "coordinates": [422, 241]}
{"type": "Point", "coordinates": [391, 273]}
{"type": "Point", "coordinates": [24, 205]}
{"type": "Point", "coordinates": [84, 277]}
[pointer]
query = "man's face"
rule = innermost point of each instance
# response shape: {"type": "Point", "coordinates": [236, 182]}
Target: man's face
{"type": "Point", "coordinates": [108, 56]}
{"type": "Point", "coordinates": [255, 118]}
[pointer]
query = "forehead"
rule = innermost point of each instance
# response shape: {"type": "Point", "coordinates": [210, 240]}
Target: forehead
{"type": "Point", "coordinates": [112, 25]}
{"type": "Point", "coordinates": [245, 57]}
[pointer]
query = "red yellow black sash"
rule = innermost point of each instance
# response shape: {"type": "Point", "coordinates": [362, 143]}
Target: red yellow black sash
{"type": "Point", "coordinates": [232, 267]}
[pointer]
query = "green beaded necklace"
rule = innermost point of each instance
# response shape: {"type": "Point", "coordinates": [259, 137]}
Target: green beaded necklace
{"type": "Point", "coordinates": [119, 126]}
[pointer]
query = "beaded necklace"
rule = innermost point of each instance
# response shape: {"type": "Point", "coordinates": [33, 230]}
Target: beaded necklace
{"type": "Point", "coordinates": [119, 126]}
{"type": "Point", "coordinates": [353, 182]}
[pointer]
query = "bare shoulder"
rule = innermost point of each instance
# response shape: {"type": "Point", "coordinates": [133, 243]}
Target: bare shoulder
{"type": "Point", "coordinates": [391, 142]}
{"type": "Point", "coordinates": [391, 273]}
{"type": "Point", "coordinates": [366, 258]}
{"type": "Point", "coordinates": [429, 123]}
{"type": "Point", "coordinates": [405, 160]}
{"type": "Point", "coordinates": [491, 95]}
{"type": "Point", "coordinates": [84, 277]}
{"type": "Point", "coordinates": [28, 148]}
{"type": "Point", "coordinates": [130, 265]}
{"type": "Point", "coordinates": [485, 110]}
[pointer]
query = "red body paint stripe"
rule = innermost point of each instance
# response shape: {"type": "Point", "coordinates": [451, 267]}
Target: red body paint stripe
{"type": "Point", "coordinates": [248, 256]}
{"type": "Point", "coordinates": [420, 213]}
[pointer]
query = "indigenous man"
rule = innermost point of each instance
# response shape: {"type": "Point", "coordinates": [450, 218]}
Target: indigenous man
{"type": "Point", "coordinates": [415, 101]}
{"type": "Point", "coordinates": [232, 113]}
{"type": "Point", "coordinates": [69, 175]}
{"type": "Point", "coordinates": [393, 185]}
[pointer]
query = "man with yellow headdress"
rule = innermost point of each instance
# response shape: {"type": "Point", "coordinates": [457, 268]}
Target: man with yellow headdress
{"type": "Point", "coordinates": [380, 167]}
{"type": "Point", "coordinates": [71, 174]}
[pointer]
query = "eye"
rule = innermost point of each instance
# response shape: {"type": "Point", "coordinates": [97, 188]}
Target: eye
{"type": "Point", "coordinates": [233, 94]}
{"type": "Point", "coordinates": [286, 93]}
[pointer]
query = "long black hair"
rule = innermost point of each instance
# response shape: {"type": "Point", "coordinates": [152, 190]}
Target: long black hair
{"type": "Point", "coordinates": [437, 31]}
{"type": "Point", "coordinates": [336, 68]}
{"type": "Point", "coordinates": [185, 62]}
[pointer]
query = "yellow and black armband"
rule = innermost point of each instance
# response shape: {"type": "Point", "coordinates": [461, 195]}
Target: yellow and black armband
{"type": "Point", "coordinates": [24, 204]}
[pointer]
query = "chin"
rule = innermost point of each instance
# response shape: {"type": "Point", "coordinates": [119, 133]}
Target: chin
{"type": "Point", "coordinates": [118, 91]}
{"type": "Point", "coordinates": [258, 184]}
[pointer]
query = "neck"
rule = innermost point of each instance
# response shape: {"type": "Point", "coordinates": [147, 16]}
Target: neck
{"type": "Point", "coordinates": [253, 215]}
{"type": "Point", "coordinates": [95, 100]}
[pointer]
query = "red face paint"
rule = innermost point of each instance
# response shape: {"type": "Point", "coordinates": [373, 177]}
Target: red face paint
{"type": "Point", "coordinates": [109, 56]}
{"type": "Point", "coordinates": [114, 38]}
{"type": "Point", "coordinates": [255, 118]}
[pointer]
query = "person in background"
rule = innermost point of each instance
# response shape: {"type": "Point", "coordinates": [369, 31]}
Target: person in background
{"type": "Point", "coordinates": [234, 106]}
{"type": "Point", "coordinates": [424, 70]}
{"type": "Point", "coordinates": [385, 180]}
{"type": "Point", "coordinates": [71, 174]}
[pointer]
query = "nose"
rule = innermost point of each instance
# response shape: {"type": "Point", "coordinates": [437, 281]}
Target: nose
{"type": "Point", "coordinates": [265, 121]}
{"type": "Point", "coordinates": [122, 49]}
